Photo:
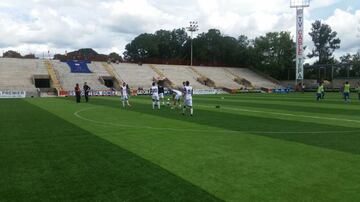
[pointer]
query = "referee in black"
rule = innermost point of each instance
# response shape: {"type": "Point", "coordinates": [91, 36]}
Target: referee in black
{"type": "Point", "coordinates": [86, 91]}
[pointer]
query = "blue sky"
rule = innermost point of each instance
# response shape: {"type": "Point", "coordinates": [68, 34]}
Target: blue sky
{"type": "Point", "coordinates": [36, 26]}
{"type": "Point", "coordinates": [327, 11]}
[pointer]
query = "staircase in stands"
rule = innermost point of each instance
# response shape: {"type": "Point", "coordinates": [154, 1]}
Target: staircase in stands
{"type": "Point", "coordinates": [161, 74]}
{"type": "Point", "coordinates": [53, 76]}
{"type": "Point", "coordinates": [110, 69]}
{"type": "Point", "coordinates": [238, 79]}
{"type": "Point", "coordinates": [201, 78]}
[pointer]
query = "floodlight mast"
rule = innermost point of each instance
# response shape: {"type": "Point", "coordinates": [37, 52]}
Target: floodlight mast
{"type": "Point", "coordinates": [299, 5]}
{"type": "Point", "coordinates": [194, 27]}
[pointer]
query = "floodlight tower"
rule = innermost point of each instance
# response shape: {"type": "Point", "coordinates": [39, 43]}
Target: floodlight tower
{"type": "Point", "coordinates": [194, 27]}
{"type": "Point", "coordinates": [299, 5]}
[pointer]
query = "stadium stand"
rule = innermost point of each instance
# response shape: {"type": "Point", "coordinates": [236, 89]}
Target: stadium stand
{"type": "Point", "coordinates": [17, 75]}
{"type": "Point", "coordinates": [69, 79]}
{"type": "Point", "coordinates": [137, 76]}
{"type": "Point", "coordinates": [113, 75]}
{"type": "Point", "coordinates": [79, 66]}
{"type": "Point", "coordinates": [178, 74]}
{"type": "Point", "coordinates": [222, 78]}
{"type": "Point", "coordinates": [256, 80]}
{"type": "Point", "coordinates": [98, 68]}
{"type": "Point", "coordinates": [53, 76]}
{"type": "Point", "coordinates": [24, 74]}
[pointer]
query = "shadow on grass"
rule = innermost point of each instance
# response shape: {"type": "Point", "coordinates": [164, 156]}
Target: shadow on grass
{"type": "Point", "coordinates": [338, 138]}
{"type": "Point", "coordinates": [45, 158]}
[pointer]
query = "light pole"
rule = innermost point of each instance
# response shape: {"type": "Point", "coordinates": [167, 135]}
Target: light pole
{"type": "Point", "coordinates": [194, 27]}
{"type": "Point", "coordinates": [299, 5]}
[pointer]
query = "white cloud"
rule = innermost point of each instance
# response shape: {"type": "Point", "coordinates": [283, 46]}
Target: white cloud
{"type": "Point", "coordinates": [108, 25]}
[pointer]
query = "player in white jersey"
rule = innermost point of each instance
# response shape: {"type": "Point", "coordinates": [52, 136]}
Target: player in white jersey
{"type": "Point", "coordinates": [154, 90]}
{"type": "Point", "coordinates": [176, 97]}
{"type": "Point", "coordinates": [125, 95]}
{"type": "Point", "coordinates": [188, 92]}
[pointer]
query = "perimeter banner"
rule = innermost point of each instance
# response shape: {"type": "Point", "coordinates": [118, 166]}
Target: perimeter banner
{"type": "Point", "coordinates": [91, 93]}
{"type": "Point", "coordinates": [12, 94]}
{"type": "Point", "coordinates": [299, 44]}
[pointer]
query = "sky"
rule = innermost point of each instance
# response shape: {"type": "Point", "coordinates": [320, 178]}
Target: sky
{"type": "Point", "coordinates": [36, 26]}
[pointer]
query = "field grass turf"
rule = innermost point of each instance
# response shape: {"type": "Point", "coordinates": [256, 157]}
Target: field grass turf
{"type": "Point", "coordinates": [255, 147]}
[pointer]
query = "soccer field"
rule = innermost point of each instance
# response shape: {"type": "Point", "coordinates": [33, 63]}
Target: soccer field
{"type": "Point", "coordinates": [255, 147]}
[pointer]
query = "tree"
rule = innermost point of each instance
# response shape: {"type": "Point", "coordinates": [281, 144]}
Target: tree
{"type": "Point", "coordinates": [274, 54]}
{"type": "Point", "coordinates": [114, 57]}
{"type": "Point", "coordinates": [325, 42]}
{"type": "Point", "coordinates": [163, 45]}
{"type": "Point", "coordinates": [142, 47]}
{"type": "Point", "coordinates": [350, 65]}
{"type": "Point", "coordinates": [12, 54]}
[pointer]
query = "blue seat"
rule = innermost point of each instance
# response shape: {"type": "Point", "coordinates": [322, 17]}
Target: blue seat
{"type": "Point", "coordinates": [79, 66]}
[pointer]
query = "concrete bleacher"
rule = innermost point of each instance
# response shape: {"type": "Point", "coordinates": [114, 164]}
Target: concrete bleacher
{"type": "Point", "coordinates": [256, 80]}
{"type": "Point", "coordinates": [41, 68]}
{"type": "Point", "coordinates": [222, 78]}
{"type": "Point", "coordinates": [98, 68]}
{"type": "Point", "coordinates": [178, 74]}
{"type": "Point", "coordinates": [137, 76]}
{"type": "Point", "coordinates": [17, 74]}
{"type": "Point", "coordinates": [68, 80]}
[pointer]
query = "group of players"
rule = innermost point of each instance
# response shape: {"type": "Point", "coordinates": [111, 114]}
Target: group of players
{"type": "Point", "coordinates": [345, 91]}
{"type": "Point", "coordinates": [157, 95]}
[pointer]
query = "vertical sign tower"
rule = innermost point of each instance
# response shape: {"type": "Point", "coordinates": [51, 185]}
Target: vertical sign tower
{"type": "Point", "coordinates": [299, 5]}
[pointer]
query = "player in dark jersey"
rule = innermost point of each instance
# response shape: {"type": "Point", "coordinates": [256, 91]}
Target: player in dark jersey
{"type": "Point", "coordinates": [161, 94]}
{"type": "Point", "coordinates": [86, 91]}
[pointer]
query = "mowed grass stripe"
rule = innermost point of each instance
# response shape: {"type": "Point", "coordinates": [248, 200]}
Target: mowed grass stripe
{"type": "Point", "coordinates": [243, 121]}
{"type": "Point", "coordinates": [78, 166]}
{"type": "Point", "coordinates": [319, 108]}
{"type": "Point", "coordinates": [235, 167]}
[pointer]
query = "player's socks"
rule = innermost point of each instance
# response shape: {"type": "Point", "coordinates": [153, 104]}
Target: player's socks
{"type": "Point", "coordinates": [191, 111]}
{"type": "Point", "coordinates": [158, 104]}
{"type": "Point", "coordinates": [123, 104]}
{"type": "Point", "coordinates": [153, 105]}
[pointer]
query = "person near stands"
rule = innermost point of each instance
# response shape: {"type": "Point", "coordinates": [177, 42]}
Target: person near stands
{"type": "Point", "coordinates": [347, 92]}
{"type": "Point", "coordinates": [77, 93]}
{"type": "Point", "coordinates": [86, 91]}
{"type": "Point", "coordinates": [161, 93]}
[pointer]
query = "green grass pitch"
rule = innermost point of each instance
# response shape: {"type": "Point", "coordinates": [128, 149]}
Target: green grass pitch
{"type": "Point", "coordinates": [255, 147]}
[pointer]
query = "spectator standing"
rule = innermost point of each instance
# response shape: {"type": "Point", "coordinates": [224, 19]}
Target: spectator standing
{"type": "Point", "coordinates": [77, 93]}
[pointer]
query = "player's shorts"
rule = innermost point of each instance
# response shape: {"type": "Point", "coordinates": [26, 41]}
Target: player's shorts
{"type": "Point", "coordinates": [155, 97]}
{"type": "Point", "coordinates": [124, 97]}
{"type": "Point", "coordinates": [346, 95]}
{"type": "Point", "coordinates": [177, 97]}
{"type": "Point", "coordinates": [188, 102]}
{"type": "Point", "coordinates": [161, 95]}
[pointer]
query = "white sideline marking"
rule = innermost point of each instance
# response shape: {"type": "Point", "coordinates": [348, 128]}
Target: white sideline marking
{"type": "Point", "coordinates": [286, 114]}
{"type": "Point", "coordinates": [77, 114]}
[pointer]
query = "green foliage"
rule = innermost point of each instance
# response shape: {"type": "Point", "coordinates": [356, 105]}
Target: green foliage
{"type": "Point", "coordinates": [325, 42]}
{"type": "Point", "coordinates": [350, 64]}
{"type": "Point", "coordinates": [274, 54]}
